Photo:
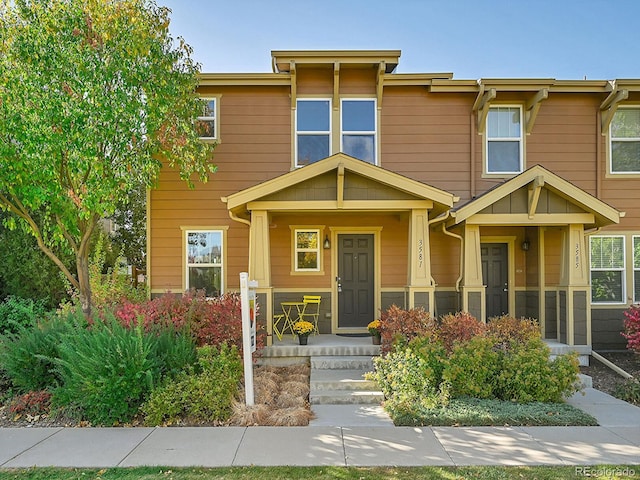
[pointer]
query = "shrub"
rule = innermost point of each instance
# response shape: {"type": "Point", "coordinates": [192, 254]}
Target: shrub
{"type": "Point", "coordinates": [528, 374]}
{"type": "Point", "coordinates": [17, 313]}
{"type": "Point", "coordinates": [28, 356]}
{"type": "Point", "coordinates": [472, 367]}
{"type": "Point", "coordinates": [399, 326]}
{"type": "Point", "coordinates": [107, 371]}
{"type": "Point", "coordinates": [31, 403]}
{"type": "Point", "coordinates": [632, 328]}
{"type": "Point", "coordinates": [204, 394]}
{"type": "Point", "coordinates": [458, 328]}
{"type": "Point", "coordinates": [629, 391]}
{"type": "Point", "coordinates": [508, 330]}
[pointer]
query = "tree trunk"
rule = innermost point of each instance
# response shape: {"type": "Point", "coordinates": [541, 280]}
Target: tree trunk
{"type": "Point", "coordinates": [84, 289]}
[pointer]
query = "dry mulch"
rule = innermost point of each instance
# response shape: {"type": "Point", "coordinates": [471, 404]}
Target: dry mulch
{"type": "Point", "coordinates": [605, 379]}
{"type": "Point", "coordinates": [281, 397]}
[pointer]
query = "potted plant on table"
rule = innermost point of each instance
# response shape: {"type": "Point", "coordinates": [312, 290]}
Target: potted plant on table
{"type": "Point", "coordinates": [303, 329]}
{"type": "Point", "coordinates": [374, 330]}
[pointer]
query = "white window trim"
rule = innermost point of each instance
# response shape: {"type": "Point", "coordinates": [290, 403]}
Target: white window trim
{"type": "Point", "coordinates": [519, 139]}
{"type": "Point", "coordinates": [312, 132]}
{"type": "Point", "coordinates": [634, 269]}
{"type": "Point", "coordinates": [362, 132]}
{"type": "Point", "coordinates": [623, 269]}
{"type": "Point", "coordinates": [223, 254]}
{"type": "Point", "coordinates": [215, 118]}
{"type": "Point", "coordinates": [294, 250]}
{"type": "Point", "coordinates": [624, 139]}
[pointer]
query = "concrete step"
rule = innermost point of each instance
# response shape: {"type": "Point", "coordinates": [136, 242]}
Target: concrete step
{"type": "Point", "coordinates": [330, 380]}
{"type": "Point", "coordinates": [342, 362]}
{"type": "Point", "coordinates": [346, 397]}
{"type": "Point", "coordinates": [350, 416]}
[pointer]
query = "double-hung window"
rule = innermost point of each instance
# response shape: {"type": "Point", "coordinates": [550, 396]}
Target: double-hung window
{"type": "Point", "coordinates": [607, 262]}
{"type": "Point", "coordinates": [307, 250]}
{"type": "Point", "coordinates": [313, 130]}
{"type": "Point", "coordinates": [636, 269]}
{"type": "Point", "coordinates": [207, 120]}
{"type": "Point", "coordinates": [504, 140]}
{"type": "Point", "coordinates": [624, 135]}
{"type": "Point", "coordinates": [358, 129]}
{"type": "Point", "coordinates": [204, 261]}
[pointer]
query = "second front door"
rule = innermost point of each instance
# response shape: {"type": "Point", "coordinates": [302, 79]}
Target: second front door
{"type": "Point", "coordinates": [356, 279]}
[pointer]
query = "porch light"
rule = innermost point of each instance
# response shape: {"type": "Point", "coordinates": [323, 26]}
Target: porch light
{"type": "Point", "coordinates": [525, 245]}
{"type": "Point", "coordinates": [327, 243]}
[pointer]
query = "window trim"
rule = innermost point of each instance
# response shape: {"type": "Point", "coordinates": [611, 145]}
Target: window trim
{"type": "Point", "coordinates": [634, 269]}
{"type": "Point", "coordinates": [294, 249]}
{"type": "Point", "coordinates": [363, 133]}
{"type": "Point", "coordinates": [610, 140]}
{"type": "Point", "coordinates": [623, 269]}
{"type": "Point", "coordinates": [215, 118]}
{"type": "Point", "coordinates": [185, 250]}
{"type": "Point", "coordinates": [487, 139]}
{"type": "Point", "coordinates": [329, 133]}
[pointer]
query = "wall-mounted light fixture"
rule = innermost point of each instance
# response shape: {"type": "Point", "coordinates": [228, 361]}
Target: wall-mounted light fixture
{"type": "Point", "coordinates": [327, 243]}
{"type": "Point", "coordinates": [525, 245]}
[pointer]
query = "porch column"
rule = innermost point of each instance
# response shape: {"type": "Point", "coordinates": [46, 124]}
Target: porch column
{"type": "Point", "coordinates": [473, 288]}
{"type": "Point", "coordinates": [420, 289]}
{"type": "Point", "coordinates": [575, 299]}
{"type": "Point", "coordinates": [260, 267]}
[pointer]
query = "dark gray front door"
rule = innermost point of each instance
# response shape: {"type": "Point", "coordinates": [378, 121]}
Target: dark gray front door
{"type": "Point", "coordinates": [495, 274]}
{"type": "Point", "coordinates": [356, 280]}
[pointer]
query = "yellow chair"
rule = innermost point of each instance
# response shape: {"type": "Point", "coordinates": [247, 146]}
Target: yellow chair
{"type": "Point", "coordinates": [311, 310]}
{"type": "Point", "coordinates": [277, 328]}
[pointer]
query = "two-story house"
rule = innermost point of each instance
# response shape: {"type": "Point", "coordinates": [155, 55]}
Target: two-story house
{"type": "Point", "coordinates": [339, 177]}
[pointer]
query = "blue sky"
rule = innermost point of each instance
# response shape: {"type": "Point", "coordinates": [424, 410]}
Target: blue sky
{"type": "Point", "coordinates": [563, 39]}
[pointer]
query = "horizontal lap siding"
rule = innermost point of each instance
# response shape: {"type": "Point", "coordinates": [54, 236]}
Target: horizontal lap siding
{"type": "Point", "coordinates": [255, 146]}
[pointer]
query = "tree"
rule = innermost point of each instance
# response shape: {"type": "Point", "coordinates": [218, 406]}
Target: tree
{"type": "Point", "coordinates": [94, 96]}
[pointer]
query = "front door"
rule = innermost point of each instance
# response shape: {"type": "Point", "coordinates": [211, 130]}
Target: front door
{"type": "Point", "coordinates": [495, 275]}
{"type": "Point", "coordinates": [355, 280]}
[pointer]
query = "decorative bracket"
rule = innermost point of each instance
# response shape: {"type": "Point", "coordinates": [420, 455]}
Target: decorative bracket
{"type": "Point", "coordinates": [336, 86]}
{"type": "Point", "coordinates": [340, 192]}
{"type": "Point", "coordinates": [294, 89]}
{"type": "Point", "coordinates": [610, 105]}
{"type": "Point", "coordinates": [380, 83]}
{"type": "Point", "coordinates": [534, 194]}
{"type": "Point", "coordinates": [481, 105]}
{"type": "Point", "coordinates": [532, 107]}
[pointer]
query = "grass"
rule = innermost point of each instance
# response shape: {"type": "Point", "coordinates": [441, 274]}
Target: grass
{"type": "Point", "coordinates": [476, 412]}
{"type": "Point", "coordinates": [325, 473]}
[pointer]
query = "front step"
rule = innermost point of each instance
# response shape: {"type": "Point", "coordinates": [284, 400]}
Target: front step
{"type": "Point", "coordinates": [342, 362]}
{"type": "Point", "coordinates": [349, 380]}
{"type": "Point", "coordinates": [339, 380]}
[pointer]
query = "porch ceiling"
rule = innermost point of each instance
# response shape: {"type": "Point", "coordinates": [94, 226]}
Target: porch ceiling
{"type": "Point", "coordinates": [340, 183]}
{"type": "Point", "coordinates": [536, 197]}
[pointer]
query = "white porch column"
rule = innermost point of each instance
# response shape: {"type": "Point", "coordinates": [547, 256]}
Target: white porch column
{"type": "Point", "coordinates": [473, 289]}
{"type": "Point", "coordinates": [260, 266]}
{"type": "Point", "coordinates": [420, 288]}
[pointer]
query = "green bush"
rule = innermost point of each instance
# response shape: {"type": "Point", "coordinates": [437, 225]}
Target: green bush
{"type": "Point", "coordinates": [471, 368]}
{"type": "Point", "coordinates": [17, 313]}
{"type": "Point", "coordinates": [528, 374]}
{"type": "Point", "coordinates": [106, 371]}
{"type": "Point", "coordinates": [629, 391]}
{"type": "Point", "coordinates": [28, 356]}
{"type": "Point", "coordinates": [204, 394]}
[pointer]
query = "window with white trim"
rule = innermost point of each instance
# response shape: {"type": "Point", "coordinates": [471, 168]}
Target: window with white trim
{"type": "Point", "coordinates": [358, 128]}
{"type": "Point", "coordinates": [207, 120]}
{"type": "Point", "coordinates": [313, 130]}
{"type": "Point", "coordinates": [624, 135]}
{"type": "Point", "coordinates": [307, 250]}
{"type": "Point", "coordinates": [204, 261]}
{"type": "Point", "coordinates": [607, 261]}
{"type": "Point", "coordinates": [636, 269]}
{"type": "Point", "coordinates": [504, 140]}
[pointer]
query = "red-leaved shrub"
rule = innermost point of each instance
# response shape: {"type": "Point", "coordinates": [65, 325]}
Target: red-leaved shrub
{"type": "Point", "coordinates": [459, 327]}
{"type": "Point", "coordinates": [31, 403]}
{"type": "Point", "coordinates": [400, 326]}
{"type": "Point", "coordinates": [632, 328]}
{"type": "Point", "coordinates": [507, 330]}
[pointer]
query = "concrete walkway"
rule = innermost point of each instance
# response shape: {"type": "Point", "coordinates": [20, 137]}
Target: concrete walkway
{"type": "Point", "coordinates": [342, 442]}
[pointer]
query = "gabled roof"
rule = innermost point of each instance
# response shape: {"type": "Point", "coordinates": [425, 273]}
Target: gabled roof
{"type": "Point", "coordinates": [414, 192]}
{"type": "Point", "coordinates": [584, 207]}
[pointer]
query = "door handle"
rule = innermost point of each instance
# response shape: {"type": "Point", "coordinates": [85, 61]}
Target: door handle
{"type": "Point", "coordinates": [339, 284]}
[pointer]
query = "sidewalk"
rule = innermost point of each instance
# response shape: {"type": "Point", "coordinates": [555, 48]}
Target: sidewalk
{"type": "Point", "coordinates": [615, 441]}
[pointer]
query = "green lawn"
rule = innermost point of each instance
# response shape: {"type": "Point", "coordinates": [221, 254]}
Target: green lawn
{"type": "Point", "coordinates": [326, 473]}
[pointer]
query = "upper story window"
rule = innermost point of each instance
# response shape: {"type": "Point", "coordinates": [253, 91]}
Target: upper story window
{"type": "Point", "coordinates": [607, 261]}
{"type": "Point", "coordinates": [624, 135]}
{"type": "Point", "coordinates": [204, 261]}
{"type": "Point", "coordinates": [504, 147]}
{"type": "Point", "coordinates": [207, 120]}
{"type": "Point", "coordinates": [313, 130]}
{"type": "Point", "coordinates": [358, 135]}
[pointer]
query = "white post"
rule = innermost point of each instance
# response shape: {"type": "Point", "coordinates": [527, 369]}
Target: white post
{"type": "Point", "coordinates": [246, 338]}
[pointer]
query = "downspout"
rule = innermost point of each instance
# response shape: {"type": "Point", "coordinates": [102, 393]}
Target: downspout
{"type": "Point", "coordinates": [440, 218]}
{"type": "Point", "coordinates": [236, 218]}
{"type": "Point", "coordinates": [459, 237]}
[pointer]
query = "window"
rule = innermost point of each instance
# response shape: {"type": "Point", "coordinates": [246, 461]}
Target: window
{"type": "Point", "coordinates": [204, 261]}
{"type": "Point", "coordinates": [207, 124]}
{"type": "Point", "coordinates": [307, 250]}
{"type": "Point", "coordinates": [636, 269]}
{"type": "Point", "coordinates": [624, 133]}
{"type": "Point", "coordinates": [607, 269]}
{"type": "Point", "coordinates": [313, 130]}
{"type": "Point", "coordinates": [358, 136]}
{"type": "Point", "coordinates": [504, 140]}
